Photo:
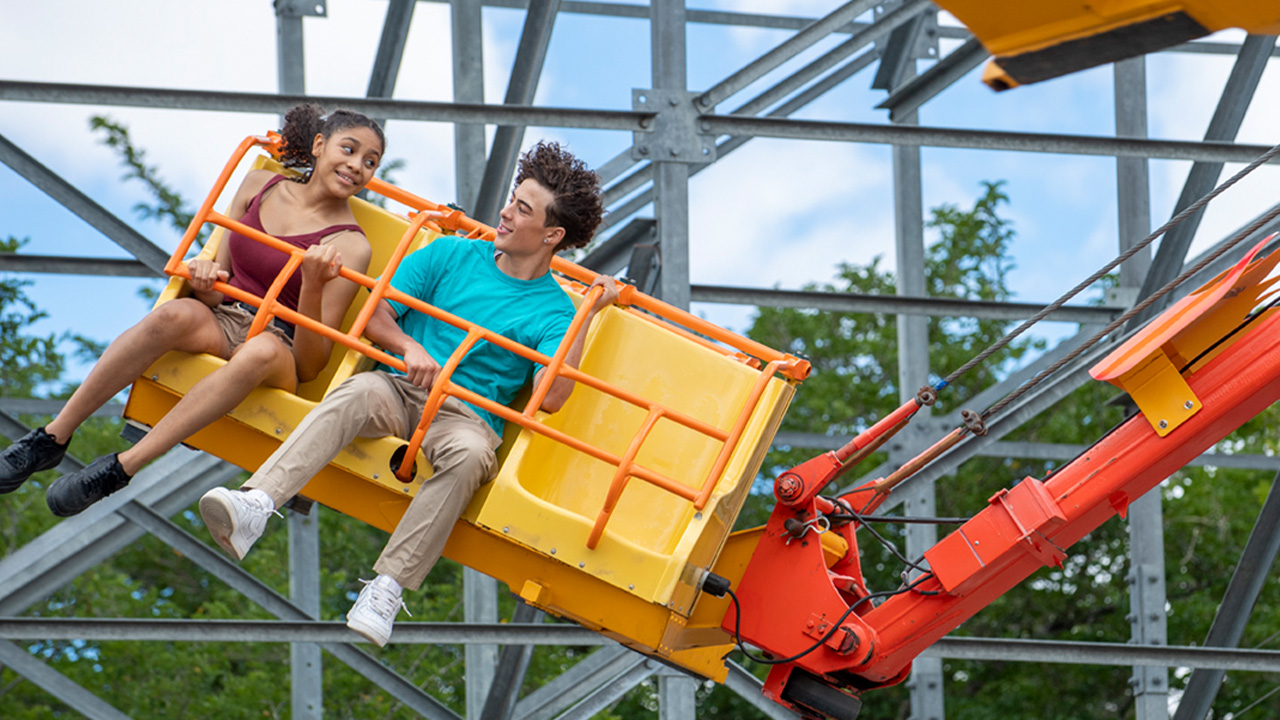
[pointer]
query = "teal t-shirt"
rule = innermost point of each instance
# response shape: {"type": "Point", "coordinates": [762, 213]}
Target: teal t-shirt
{"type": "Point", "coordinates": [461, 277]}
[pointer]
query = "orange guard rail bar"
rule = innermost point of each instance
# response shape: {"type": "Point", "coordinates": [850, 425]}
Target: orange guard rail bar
{"type": "Point", "coordinates": [442, 219]}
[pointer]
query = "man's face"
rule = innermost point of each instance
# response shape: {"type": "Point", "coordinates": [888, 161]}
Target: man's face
{"type": "Point", "coordinates": [522, 226]}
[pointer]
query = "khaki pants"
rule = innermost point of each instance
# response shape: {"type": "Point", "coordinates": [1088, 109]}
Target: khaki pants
{"type": "Point", "coordinates": [459, 445]}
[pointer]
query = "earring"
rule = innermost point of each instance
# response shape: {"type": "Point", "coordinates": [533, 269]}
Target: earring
{"type": "Point", "coordinates": [546, 241]}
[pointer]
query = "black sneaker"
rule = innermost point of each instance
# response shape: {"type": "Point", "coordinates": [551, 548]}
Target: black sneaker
{"type": "Point", "coordinates": [72, 494]}
{"type": "Point", "coordinates": [28, 455]}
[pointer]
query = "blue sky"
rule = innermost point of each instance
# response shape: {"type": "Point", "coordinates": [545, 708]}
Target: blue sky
{"type": "Point", "coordinates": [775, 213]}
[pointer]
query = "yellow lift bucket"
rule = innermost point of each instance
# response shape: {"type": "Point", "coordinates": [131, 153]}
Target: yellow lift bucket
{"type": "Point", "coordinates": [1033, 41]}
{"type": "Point", "coordinates": [609, 512]}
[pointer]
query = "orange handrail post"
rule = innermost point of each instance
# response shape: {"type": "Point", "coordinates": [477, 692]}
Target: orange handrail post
{"type": "Point", "coordinates": [619, 482]}
{"type": "Point", "coordinates": [731, 442]}
{"type": "Point", "coordinates": [380, 287]}
{"type": "Point", "coordinates": [198, 221]}
{"type": "Point", "coordinates": [439, 389]}
{"type": "Point", "coordinates": [552, 372]}
{"type": "Point", "coordinates": [268, 307]}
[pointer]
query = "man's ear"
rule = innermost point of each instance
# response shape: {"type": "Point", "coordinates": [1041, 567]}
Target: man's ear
{"type": "Point", "coordinates": [554, 236]}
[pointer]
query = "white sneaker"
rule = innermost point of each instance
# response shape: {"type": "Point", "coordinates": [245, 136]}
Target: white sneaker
{"type": "Point", "coordinates": [236, 519]}
{"type": "Point", "coordinates": [375, 611]}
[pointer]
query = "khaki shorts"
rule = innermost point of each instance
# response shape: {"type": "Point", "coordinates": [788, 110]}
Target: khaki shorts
{"type": "Point", "coordinates": [235, 321]}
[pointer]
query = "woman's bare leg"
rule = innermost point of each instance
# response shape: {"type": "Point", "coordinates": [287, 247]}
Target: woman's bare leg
{"type": "Point", "coordinates": [263, 360]}
{"type": "Point", "coordinates": [185, 324]}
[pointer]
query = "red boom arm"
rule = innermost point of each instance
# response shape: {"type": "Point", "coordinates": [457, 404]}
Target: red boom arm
{"type": "Point", "coordinates": [837, 643]}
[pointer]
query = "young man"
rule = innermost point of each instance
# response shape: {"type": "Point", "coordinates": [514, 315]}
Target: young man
{"type": "Point", "coordinates": [506, 287]}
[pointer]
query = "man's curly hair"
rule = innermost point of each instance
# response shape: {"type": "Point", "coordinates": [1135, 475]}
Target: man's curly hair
{"type": "Point", "coordinates": [577, 207]}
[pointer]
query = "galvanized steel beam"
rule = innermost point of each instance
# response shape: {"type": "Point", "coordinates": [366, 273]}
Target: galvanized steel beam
{"type": "Point", "coordinates": [793, 46]}
{"type": "Point", "coordinates": [228, 572]}
{"type": "Point", "coordinates": [56, 684]}
{"type": "Point", "coordinates": [668, 58]}
{"type": "Point", "coordinates": [728, 145]}
{"type": "Point", "coordinates": [618, 165]}
{"type": "Point", "coordinates": [293, 630]}
{"type": "Point", "coordinates": [639, 669]}
{"type": "Point", "coordinates": [52, 184]}
{"type": "Point", "coordinates": [513, 664]}
{"type": "Point", "coordinates": [612, 659]}
{"type": "Point", "coordinates": [523, 83]}
{"type": "Point", "coordinates": [65, 265]}
{"type": "Point", "coordinates": [40, 406]}
{"type": "Point", "coordinates": [979, 139]}
{"type": "Point", "coordinates": [1115, 654]}
{"type": "Point", "coordinates": [386, 64]}
{"type": "Point", "coordinates": [278, 103]}
{"type": "Point", "coordinates": [1223, 127]}
{"type": "Point", "coordinates": [897, 304]}
{"type": "Point", "coordinates": [1250, 575]}
{"type": "Point", "coordinates": [467, 31]}
{"type": "Point", "coordinates": [575, 683]}
{"type": "Point", "coordinates": [943, 74]}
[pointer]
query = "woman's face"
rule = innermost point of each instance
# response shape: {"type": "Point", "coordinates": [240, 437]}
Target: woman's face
{"type": "Point", "coordinates": [346, 160]}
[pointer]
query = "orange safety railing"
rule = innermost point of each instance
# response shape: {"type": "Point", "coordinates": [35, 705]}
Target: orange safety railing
{"type": "Point", "coordinates": [443, 219]}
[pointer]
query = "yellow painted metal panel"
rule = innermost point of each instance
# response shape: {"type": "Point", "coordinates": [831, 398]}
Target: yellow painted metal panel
{"type": "Point", "coordinates": [1160, 393]}
{"type": "Point", "coordinates": [1018, 26]}
{"type": "Point", "coordinates": [548, 496]}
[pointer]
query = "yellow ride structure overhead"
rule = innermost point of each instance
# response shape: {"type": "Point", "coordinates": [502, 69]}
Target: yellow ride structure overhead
{"type": "Point", "coordinates": [610, 512]}
{"type": "Point", "coordinates": [1034, 40]}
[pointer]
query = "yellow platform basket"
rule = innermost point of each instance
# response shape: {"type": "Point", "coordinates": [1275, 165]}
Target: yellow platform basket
{"type": "Point", "coordinates": [609, 512]}
{"type": "Point", "coordinates": [1034, 41]}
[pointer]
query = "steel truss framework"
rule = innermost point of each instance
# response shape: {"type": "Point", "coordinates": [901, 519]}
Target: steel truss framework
{"type": "Point", "coordinates": [676, 133]}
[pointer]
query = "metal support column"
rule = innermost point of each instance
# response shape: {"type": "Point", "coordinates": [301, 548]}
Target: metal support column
{"type": "Point", "coordinates": [925, 682]}
{"type": "Point", "coordinates": [513, 665]}
{"type": "Point", "coordinates": [306, 677]}
{"type": "Point", "coordinates": [1148, 617]}
{"type": "Point", "coordinates": [1237, 605]}
{"type": "Point", "coordinates": [386, 64]}
{"type": "Point", "coordinates": [1133, 180]}
{"type": "Point", "coordinates": [525, 72]}
{"type": "Point", "coordinates": [290, 74]}
{"type": "Point", "coordinates": [307, 687]}
{"type": "Point", "coordinates": [468, 87]}
{"type": "Point", "coordinates": [1146, 528]}
{"type": "Point", "coordinates": [480, 605]}
{"type": "Point", "coordinates": [671, 175]}
{"type": "Point", "coordinates": [1226, 121]}
{"type": "Point", "coordinates": [676, 696]}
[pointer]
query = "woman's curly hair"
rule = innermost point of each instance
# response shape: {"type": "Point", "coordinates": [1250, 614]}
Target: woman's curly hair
{"type": "Point", "coordinates": [577, 207]}
{"type": "Point", "coordinates": [304, 122]}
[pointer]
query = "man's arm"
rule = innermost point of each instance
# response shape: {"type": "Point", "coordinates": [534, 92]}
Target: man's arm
{"type": "Point", "coordinates": [385, 332]}
{"type": "Point", "coordinates": [563, 386]}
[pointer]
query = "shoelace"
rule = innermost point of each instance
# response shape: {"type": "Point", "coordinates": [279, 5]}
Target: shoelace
{"type": "Point", "coordinates": [262, 507]}
{"type": "Point", "coordinates": [384, 601]}
{"type": "Point", "coordinates": [27, 453]}
{"type": "Point", "coordinates": [98, 483]}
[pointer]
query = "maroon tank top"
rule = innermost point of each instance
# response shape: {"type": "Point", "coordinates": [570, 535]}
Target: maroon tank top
{"type": "Point", "coordinates": [254, 266]}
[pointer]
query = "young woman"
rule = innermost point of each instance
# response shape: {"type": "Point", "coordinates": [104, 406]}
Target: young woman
{"type": "Point", "coordinates": [342, 151]}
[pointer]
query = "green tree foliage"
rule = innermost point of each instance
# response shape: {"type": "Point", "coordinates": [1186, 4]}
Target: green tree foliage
{"type": "Point", "coordinates": [27, 362]}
